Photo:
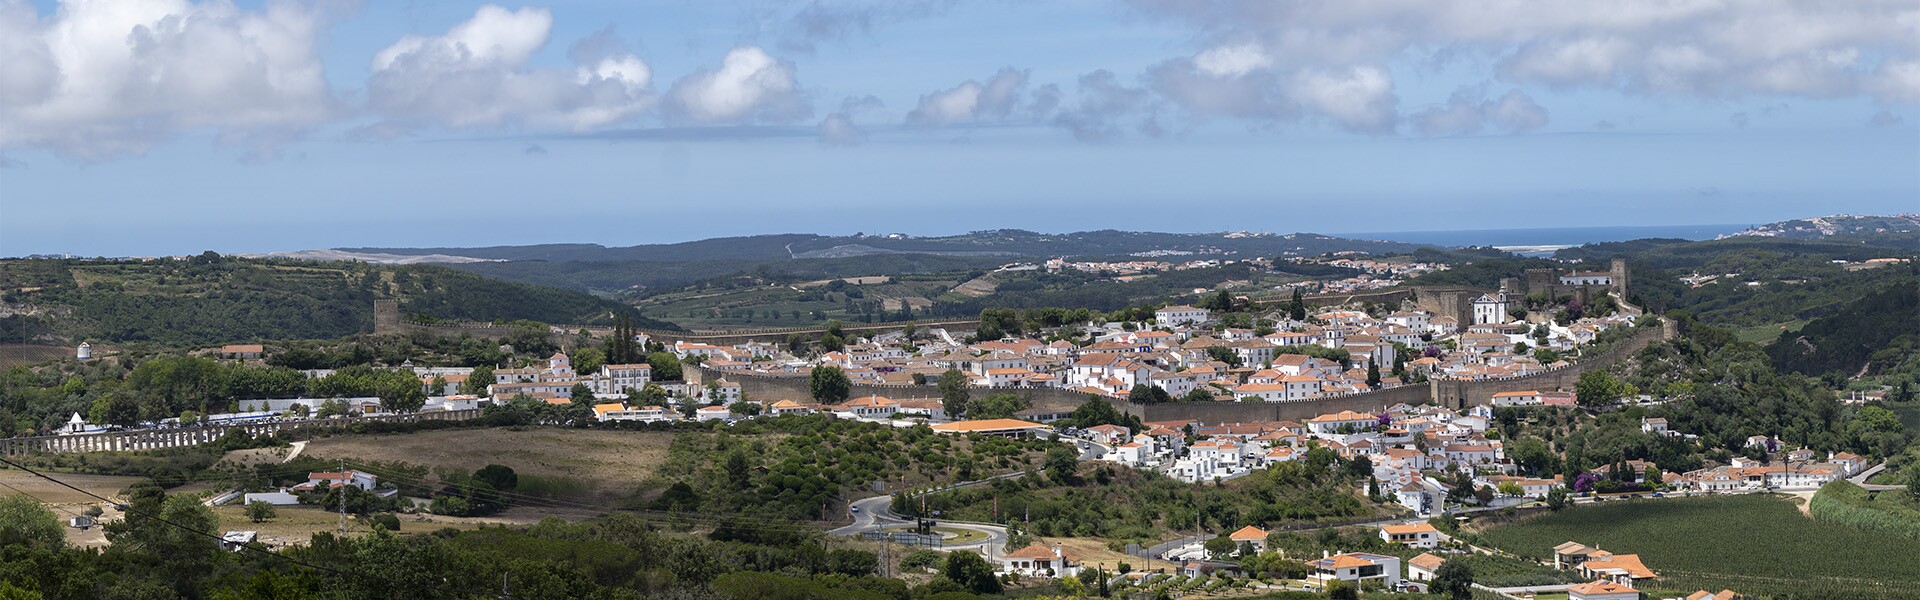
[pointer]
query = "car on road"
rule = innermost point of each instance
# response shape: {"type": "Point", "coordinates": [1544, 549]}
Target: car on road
{"type": "Point", "coordinates": [853, 509]}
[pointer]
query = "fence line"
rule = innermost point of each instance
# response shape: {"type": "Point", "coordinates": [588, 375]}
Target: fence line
{"type": "Point", "coordinates": [155, 439]}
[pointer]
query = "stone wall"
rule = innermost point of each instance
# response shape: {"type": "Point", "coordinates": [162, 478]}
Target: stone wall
{"type": "Point", "coordinates": [766, 389]}
{"type": "Point", "coordinates": [775, 335]}
{"type": "Point", "coordinates": [1239, 412]}
{"type": "Point", "coordinates": [1467, 393]}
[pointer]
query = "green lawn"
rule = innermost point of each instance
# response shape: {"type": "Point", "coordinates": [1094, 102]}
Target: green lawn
{"type": "Point", "coordinates": [1754, 544]}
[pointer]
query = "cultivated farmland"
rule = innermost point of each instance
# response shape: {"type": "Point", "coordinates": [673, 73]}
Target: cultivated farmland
{"type": "Point", "coordinates": [1754, 544]}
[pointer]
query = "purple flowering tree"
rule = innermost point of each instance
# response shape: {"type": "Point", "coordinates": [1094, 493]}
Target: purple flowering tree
{"type": "Point", "coordinates": [1585, 482]}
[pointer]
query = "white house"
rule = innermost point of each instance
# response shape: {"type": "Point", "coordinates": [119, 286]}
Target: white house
{"type": "Point", "coordinates": [1250, 535]}
{"type": "Point", "coordinates": [616, 379]}
{"type": "Point", "coordinates": [326, 480]}
{"type": "Point", "coordinates": [1421, 568]}
{"type": "Point", "coordinates": [1521, 398]}
{"type": "Point", "coordinates": [1415, 535]}
{"type": "Point", "coordinates": [1174, 316]}
{"type": "Point", "coordinates": [1353, 568]}
{"type": "Point", "coordinates": [1038, 560]}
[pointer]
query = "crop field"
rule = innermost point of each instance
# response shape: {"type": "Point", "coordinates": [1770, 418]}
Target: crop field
{"type": "Point", "coordinates": [580, 463]}
{"type": "Point", "coordinates": [1753, 544]}
{"type": "Point", "coordinates": [32, 354]}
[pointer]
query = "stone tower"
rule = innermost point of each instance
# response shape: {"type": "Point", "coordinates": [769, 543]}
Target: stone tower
{"type": "Point", "coordinates": [386, 316]}
{"type": "Point", "coordinates": [1619, 272]}
{"type": "Point", "coordinates": [1540, 281]}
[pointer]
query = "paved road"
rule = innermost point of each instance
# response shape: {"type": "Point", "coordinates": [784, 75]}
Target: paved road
{"type": "Point", "coordinates": [1861, 479]}
{"type": "Point", "coordinates": [876, 514]}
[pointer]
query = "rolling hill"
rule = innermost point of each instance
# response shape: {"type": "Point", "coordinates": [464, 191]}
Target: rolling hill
{"type": "Point", "coordinates": [1003, 242]}
{"type": "Point", "coordinates": [212, 299]}
{"type": "Point", "coordinates": [801, 257]}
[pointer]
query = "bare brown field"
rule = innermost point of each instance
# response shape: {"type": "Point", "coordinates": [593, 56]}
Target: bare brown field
{"type": "Point", "coordinates": [1093, 551]}
{"type": "Point", "coordinates": [18, 481]}
{"type": "Point", "coordinates": [611, 464]}
{"type": "Point", "coordinates": [32, 354]}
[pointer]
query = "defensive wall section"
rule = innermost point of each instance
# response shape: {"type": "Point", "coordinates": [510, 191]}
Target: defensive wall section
{"type": "Point", "coordinates": [730, 337]}
{"type": "Point", "coordinates": [764, 389]}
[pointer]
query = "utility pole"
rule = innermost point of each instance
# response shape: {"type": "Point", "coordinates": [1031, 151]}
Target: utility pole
{"type": "Point", "coordinates": [343, 498]}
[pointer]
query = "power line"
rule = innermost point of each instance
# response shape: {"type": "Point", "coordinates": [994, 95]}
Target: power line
{"type": "Point", "coordinates": [37, 499]}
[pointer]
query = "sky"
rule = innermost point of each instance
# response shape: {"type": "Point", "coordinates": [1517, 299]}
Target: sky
{"type": "Point", "coordinates": [156, 127]}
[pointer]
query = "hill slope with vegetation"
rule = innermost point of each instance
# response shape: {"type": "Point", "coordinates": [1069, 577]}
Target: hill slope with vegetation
{"type": "Point", "coordinates": [211, 299]}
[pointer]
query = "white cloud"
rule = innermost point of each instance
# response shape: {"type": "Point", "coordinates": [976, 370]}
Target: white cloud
{"type": "Point", "coordinates": [972, 101]}
{"type": "Point", "coordinates": [96, 80]}
{"type": "Point", "coordinates": [477, 75]}
{"type": "Point", "coordinates": [1703, 48]}
{"type": "Point", "coordinates": [1359, 99]}
{"type": "Point", "coordinates": [1101, 106]}
{"type": "Point", "coordinates": [1226, 81]}
{"type": "Point", "coordinates": [838, 130]}
{"type": "Point", "coordinates": [750, 85]}
{"type": "Point", "coordinates": [1232, 61]}
{"type": "Point", "coordinates": [1468, 112]}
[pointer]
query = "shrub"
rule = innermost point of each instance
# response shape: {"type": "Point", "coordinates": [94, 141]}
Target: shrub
{"type": "Point", "coordinates": [1847, 504]}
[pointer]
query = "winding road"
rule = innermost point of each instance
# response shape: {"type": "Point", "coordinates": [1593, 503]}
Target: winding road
{"type": "Point", "coordinates": [876, 514]}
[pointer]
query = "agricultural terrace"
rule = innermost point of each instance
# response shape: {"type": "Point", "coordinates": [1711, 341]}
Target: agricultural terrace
{"type": "Point", "coordinates": [810, 467]}
{"type": "Point", "coordinates": [1755, 544]}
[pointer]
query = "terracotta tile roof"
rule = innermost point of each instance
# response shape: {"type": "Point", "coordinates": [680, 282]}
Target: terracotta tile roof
{"type": "Point", "coordinates": [1630, 563]}
{"type": "Point", "coordinates": [1410, 528]}
{"type": "Point", "coordinates": [1601, 586]}
{"type": "Point", "coordinates": [1343, 561]}
{"type": "Point", "coordinates": [1036, 552]}
{"type": "Point", "coordinates": [1427, 561]}
{"type": "Point", "coordinates": [1249, 533]}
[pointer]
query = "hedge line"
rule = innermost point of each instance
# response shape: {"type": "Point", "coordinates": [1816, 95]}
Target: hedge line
{"type": "Point", "coordinates": [1847, 504]}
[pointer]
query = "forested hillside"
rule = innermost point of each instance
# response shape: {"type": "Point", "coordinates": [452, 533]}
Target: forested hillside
{"type": "Point", "coordinates": [212, 299]}
{"type": "Point", "coordinates": [1875, 332]}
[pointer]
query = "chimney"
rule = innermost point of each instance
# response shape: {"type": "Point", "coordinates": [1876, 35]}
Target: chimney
{"type": "Point", "coordinates": [1059, 551]}
{"type": "Point", "coordinates": [1324, 554]}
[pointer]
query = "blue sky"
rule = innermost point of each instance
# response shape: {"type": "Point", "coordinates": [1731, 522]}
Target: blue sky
{"type": "Point", "coordinates": [171, 126]}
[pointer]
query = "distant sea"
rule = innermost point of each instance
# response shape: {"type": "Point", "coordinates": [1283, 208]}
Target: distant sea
{"type": "Point", "coordinates": [1530, 241]}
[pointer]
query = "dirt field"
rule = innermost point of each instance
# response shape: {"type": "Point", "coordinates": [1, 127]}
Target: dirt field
{"type": "Point", "coordinates": [610, 463]}
{"type": "Point", "coordinates": [66, 503]}
{"type": "Point", "coordinates": [1094, 552]}
{"type": "Point", "coordinates": [33, 354]}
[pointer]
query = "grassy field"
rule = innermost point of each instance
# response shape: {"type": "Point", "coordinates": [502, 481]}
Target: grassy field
{"type": "Point", "coordinates": [579, 463]}
{"type": "Point", "coordinates": [1754, 544]}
